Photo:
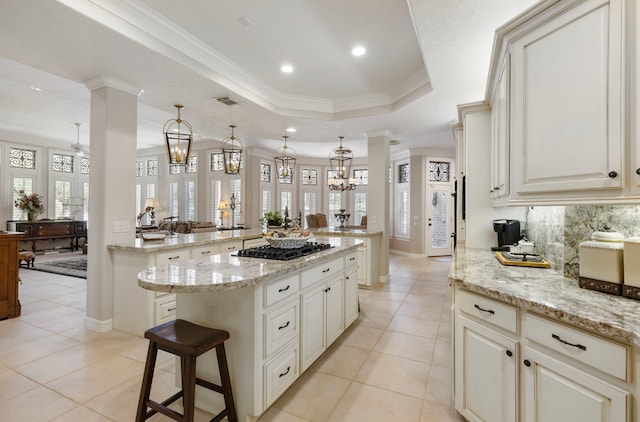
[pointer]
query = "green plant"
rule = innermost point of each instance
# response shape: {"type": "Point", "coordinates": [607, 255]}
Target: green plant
{"type": "Point", "coordinates": [273, 218]}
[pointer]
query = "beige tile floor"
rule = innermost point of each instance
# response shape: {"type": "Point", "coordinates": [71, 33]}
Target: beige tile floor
{"type": "Point", "coordinates": [392, 364]}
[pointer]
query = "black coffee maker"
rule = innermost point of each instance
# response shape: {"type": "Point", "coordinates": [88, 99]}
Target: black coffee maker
{"type": "Point", "coordinates": [508, 233]}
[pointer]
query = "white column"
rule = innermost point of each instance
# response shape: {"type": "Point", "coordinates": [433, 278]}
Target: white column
{"type": "Point", "coordinates": [378, 193]}
{"type": "Point", "coordinates": [112, 189]}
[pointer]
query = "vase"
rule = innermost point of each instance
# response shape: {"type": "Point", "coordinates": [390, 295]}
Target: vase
{"type": "Point", "coordinates": [32, 216]}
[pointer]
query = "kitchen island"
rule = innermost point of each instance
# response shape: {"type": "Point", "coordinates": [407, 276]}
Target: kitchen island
{"type": "Point", "coordinates": [136, 310]}
{"type": "Point", "coordinates": [529, 344]}
{"type": "Point", "coordinates": [281, 315]}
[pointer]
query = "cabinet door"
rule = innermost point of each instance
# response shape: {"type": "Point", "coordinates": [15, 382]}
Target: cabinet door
{"type": "Point", "coordinates": [485, 373]}
{"type": "Point", "coordinates": [363, 265]}
{"type": "Point", "coordinates": [334, 312]}
{"type": "Point", "coordinates": [500, 136]}
{"type": "Point", "coordinates": [554, 391]}
{"type": "Point", "coordinates": [350, 295]}
{"type": "Point", "coordinates": [566, 80]}
{"type": "Point", "coordinates": [312, 324]}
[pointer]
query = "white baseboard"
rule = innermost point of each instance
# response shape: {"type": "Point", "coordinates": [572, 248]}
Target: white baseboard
{"type": "Point", "coordinates": [97, 325]}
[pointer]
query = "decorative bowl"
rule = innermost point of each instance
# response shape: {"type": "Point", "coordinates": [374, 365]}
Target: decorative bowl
{"type": "Point", "coordinates": [287, 242]}
{"type": "Point", "coordinates": [154, 235]}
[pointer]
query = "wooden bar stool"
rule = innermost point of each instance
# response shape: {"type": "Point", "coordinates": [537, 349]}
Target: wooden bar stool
{"type": "Point", "coordinates": [187, 340]}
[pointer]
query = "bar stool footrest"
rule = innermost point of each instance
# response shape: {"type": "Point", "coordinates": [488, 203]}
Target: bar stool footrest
{"type": "Point", "coordinates": [211, 386]}
{"type": "Point", "coordinates": [163, 407]}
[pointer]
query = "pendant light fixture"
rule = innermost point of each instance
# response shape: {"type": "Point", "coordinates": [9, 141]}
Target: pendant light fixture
{"type": "Point", "coordinates": [340, 159]}
{"type": "Point", "coordinates": [285, 163]}
{"type": "Point", "coordinates": [233, 151]}
{"type": "Point", "coordinates": [178, 135]}
{"type": "Point", "coordinates": [77, 148]}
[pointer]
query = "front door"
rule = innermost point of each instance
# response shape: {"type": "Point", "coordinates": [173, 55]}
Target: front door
{"type": "Point", "coordinates": [439, 220]}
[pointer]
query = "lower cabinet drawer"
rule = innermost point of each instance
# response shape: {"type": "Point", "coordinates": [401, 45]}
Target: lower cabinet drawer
{"type": "Point", "coordinates": [595, 351]}
{"type": "Point", "coordinates": [351, 259]}
{"type": "Point", "coordinates": [279, 374]}
{"type": "Point", "coordinates": [310, 276]}
{"type": "Point", "coordinates": [230, 246]}
{"type": "Point", "coordinates": [280, 327]}
{"type": "Point", "coordinates": [165, 309]}
{"type": "Point", "coordinates": [280, 289]}
{"type": "Point", "coordinates": [489, 310]}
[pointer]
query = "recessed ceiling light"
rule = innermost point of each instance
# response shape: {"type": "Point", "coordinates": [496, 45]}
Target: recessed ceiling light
{"type": "Point", "coordinates": [35, 88]}
{"type": "Point", "coordinates": [141, 92]}
{"type": "Point", "coordinates": [286, 68]}
{"type": "Point", "coordinates": [291, 129]}
{"type": "Point", "coordinates": [358, 50]}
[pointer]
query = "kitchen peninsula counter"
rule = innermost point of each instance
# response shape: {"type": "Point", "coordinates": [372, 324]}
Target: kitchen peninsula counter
{"type": "Point", "coordinates": [546, 292]}
{"type": "Point", "coordinates": [371, 268]}
{"type": "Point", "coordinates": [180, 240]}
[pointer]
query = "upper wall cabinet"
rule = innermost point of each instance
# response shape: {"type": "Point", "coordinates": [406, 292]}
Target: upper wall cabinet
{"type": "Point", "coordinates": [499, 188]}
{"type": "Point", "coordinates": [565, 103]}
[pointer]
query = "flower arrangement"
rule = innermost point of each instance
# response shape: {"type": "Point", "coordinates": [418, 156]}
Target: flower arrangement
{"type": "Point", "coordinates": [32, 204]}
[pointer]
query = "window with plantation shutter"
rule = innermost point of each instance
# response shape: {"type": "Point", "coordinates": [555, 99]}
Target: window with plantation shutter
{"type": "Point", "coordinates": [402, 214]}
{"type": "Point", "coordinates": [286, 199]}
{"type": "Point", "coordinates": [172, 200]}
{"type": "Point", "coordinates": [190, 200]}
{"type": "Point", "coordinates": [360, 207]}
{"type": "Point", "coordinates": [215, 193]}
{"type": "Point", "coordinates": [138, 198]}
{"type": "Point", "coordinates": [265, 201]}
{"type": "Point", "coordinates": [20, 184]}
{"type": "Point", "coordinates": [309, 206]}
{"type": "Point", "coordinates": [235, 188]}
{"type": "Point", "coordinates": [85, 199]}
{"type": "Point", "coordinates": [335, 204]}
{"type": "Point", "coordinates": [62, 194]}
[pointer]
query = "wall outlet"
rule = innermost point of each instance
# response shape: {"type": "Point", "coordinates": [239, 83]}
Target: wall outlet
{"type": "Point", "coordinates": [120, 226]}
{"type": "Point", "coordinates": [374, 219]}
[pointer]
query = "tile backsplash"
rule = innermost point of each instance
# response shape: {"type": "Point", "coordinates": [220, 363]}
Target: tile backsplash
{"type": "Point", "coordinates": [558, 231]}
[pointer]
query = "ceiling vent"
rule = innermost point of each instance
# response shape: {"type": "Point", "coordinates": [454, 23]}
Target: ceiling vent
{"type": "Point", "coordinates": [228, 101]}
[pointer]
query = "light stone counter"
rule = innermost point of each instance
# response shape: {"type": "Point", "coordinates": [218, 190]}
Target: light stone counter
{"type": "Point", "coordinates": [179, 240]}
{"type": "Point", "coordinates": [546, 292]}
{"type": "Point", "coordinates": [228, 271]}
{"type": "Point", "coordinates": [355, 232]}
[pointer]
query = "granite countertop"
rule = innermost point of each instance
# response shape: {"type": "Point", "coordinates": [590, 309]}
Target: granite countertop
{"type": "Point", "coordinates": [547, 292]}
{"type": "Point", "coordinates": [354, 232]}
{"type": "Point", "coordinates": [227, 271]}
{"type": "Point", "coordinates": [180, 240]}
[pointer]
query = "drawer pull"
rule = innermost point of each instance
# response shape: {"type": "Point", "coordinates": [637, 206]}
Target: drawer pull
{"type": "Point", "coordinates": [509, 353]}
{"type": "Point", "coordinates": [205, 252]}
{"type": "Point", "coordinates": [174, 257]}
{"type": "Point", "coordinates": [327, 270]}
{"type": "Point", "coordinates": [230, 248]}
{"type": "Point", "coordinates": [284, 290]}
{"type": "Point", "coordinates": [353, 258]}
{"type": "Point", "coordinates": [282, 327]}
{"type": "Point", "coordinates": [579, 346]}
{"type": "Point", "coordinates": [285, 372]}
{"type": "Point", "coordinates": [171, 309]}
{"type": "Point", "coordinates": [327, 289]}
{"type": "Point", "coordinates": [489, 311]}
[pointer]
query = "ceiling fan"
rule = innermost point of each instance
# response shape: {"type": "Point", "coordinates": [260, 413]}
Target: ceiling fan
{"type": "Point", "coordinates": [78, 149]}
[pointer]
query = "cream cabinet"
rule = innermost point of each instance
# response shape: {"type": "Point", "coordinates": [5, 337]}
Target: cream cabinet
{"type": "Point", "coordinates": [513, 365]}
{"type": "Point", "coordinates": [321, 318]}
{"type": "Point", "coordinates": [499, 187]}
{"type": "Point", "coordinates": [485, 359]}
{"type": "Point", "coordinates": [485, 376]}
{"type": "Point", "coordinates": [559, 89]}
{"type": "Point", "coordinates": [351, 302]}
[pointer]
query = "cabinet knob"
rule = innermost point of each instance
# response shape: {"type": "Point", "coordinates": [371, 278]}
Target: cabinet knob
{"type": "Point", "coordinates": [638, 171]}
{"type": "Point", "coordinates": [527, 362]}
{"type": "Point", "coordinates": [613, 174]}
{"type": "Point", "coordinates": [509, 353]}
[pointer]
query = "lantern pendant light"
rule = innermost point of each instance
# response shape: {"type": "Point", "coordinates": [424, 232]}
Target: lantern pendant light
{"type": "Point", "coordinates": [340, 159]}
{"type": "Point", "coordinates": [178, 135]}
{"type": "Point", "coordinates": [233, 151]}
{"type": "Point", "coordinates": [285, 164]}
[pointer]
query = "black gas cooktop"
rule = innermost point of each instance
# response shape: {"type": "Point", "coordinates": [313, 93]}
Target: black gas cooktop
{"type": "Point", "coordinates": [269, 252]}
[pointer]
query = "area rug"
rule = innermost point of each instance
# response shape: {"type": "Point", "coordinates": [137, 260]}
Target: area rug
{"type": "Point", "coordinates": [75, 267]}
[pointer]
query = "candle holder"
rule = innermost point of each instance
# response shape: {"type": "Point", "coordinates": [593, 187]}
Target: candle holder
{"type": "Point", "coordinates": [342, 217]}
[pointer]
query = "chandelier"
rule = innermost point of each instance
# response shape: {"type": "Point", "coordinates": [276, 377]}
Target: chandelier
{"type": "Point", "coordinates": [286, 163]}
{"type": "Point", "coordinates": [340, 159]}
{"type": "Point", "coordinates": [178, 135]}
{"type": "Point", "coordinates": [232, 150]}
